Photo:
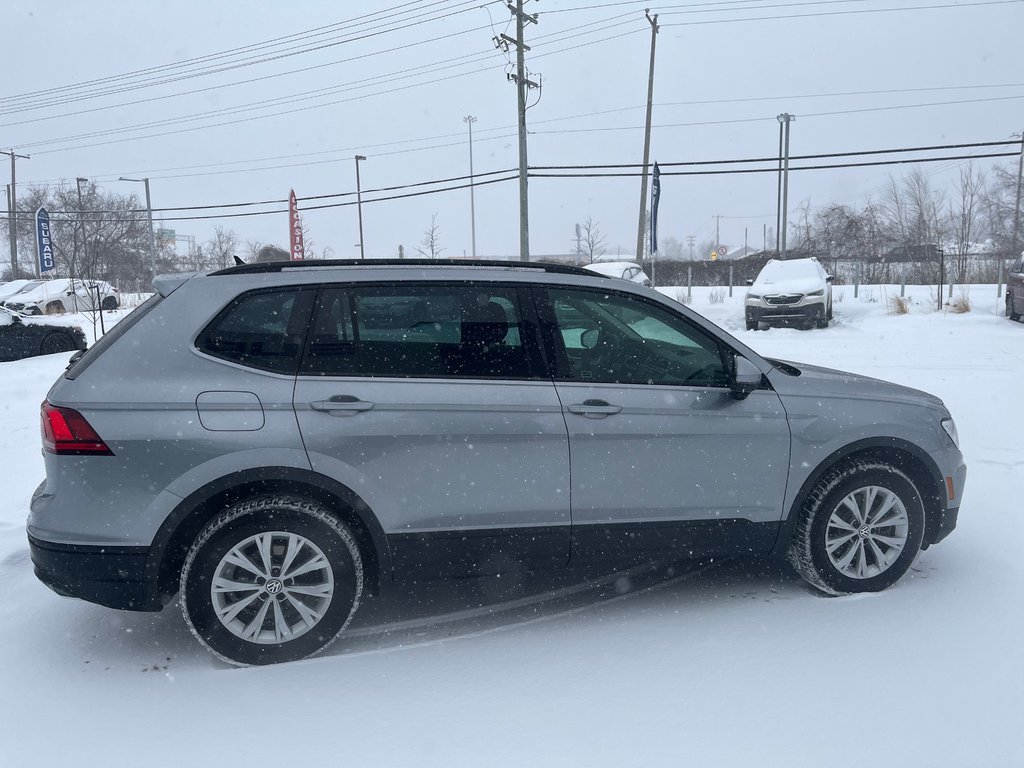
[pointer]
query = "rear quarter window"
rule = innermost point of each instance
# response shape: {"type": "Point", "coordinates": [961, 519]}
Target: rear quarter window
{"type": "Point", "coordinates": [261, 329]}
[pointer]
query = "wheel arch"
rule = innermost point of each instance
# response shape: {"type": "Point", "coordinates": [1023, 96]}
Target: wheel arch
{"type": "Point", "coordinates": [902, 454]}
{"type": "Point", "coordinates": [179, 530]}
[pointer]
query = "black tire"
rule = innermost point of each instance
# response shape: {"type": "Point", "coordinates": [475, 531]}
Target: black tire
{"type": "Point", "coordinates": [280, 515]}
{"type": "Point", "coordinates": [1014, 316]}
{"type": "Point", "coordinates": [821, 321]}
{"type": "Point", "coordinates": [109, 303]}
{"type": "Point", "coordinates": [55, 308]}
{"type": "Point", "coordinates": [753, 325]}
{"type": "Point", "coordinates": [57, 342]}
{"type": "Point", "coordinates": [808, 552]}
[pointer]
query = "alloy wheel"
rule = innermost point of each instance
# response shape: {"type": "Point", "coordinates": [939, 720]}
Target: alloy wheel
{"type": "Point", "coordinates": [866, 532]}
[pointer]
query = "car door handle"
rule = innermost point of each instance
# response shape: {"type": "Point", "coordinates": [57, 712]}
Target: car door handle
{"type": "Point", "coordinates": [595, 409]}
{"type": "Point", "coordinates": [341, 405]}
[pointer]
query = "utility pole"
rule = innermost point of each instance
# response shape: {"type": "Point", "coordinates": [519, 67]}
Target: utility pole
{"type": "Point", "coordinates": [469, 120]}
{"type": "Point", "coordinates": [784, 120]}
{"type": "Point", "coordinates": [690, 240]}
{"type": "Point", "coordinates": [80, 225]}
{"type": "Point", "coordinates": [12, 223]}
{"type": "Point", "coordinates": [647, 141]}
{"type": "Point", "coordinates": [149, 216]}
{"type": "Point", "coordinates": [718, 236]}
{"type": "Point", "coordinates": [359, 206]}
{"type": "Point", "coordinates": [1016, 210]}
{"type": "Point", "coordinates": [523, 86]}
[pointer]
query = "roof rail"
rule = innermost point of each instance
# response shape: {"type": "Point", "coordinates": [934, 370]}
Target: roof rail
{"type": "Point", "coordinates": [281, 266]}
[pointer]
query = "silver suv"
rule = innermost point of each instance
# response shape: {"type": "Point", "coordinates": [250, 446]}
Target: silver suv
{"type": "Point", "coordinates": [273, 441]}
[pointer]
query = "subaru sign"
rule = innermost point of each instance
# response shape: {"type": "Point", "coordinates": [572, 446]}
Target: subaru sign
{"type": "Point", "coordinates": [44, 243]}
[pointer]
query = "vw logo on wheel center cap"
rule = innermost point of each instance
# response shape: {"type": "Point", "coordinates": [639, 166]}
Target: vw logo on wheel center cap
{"type": "Point", "coordinates": [864, 531]}
{"type": "Point", "coordinates": [274, 586]}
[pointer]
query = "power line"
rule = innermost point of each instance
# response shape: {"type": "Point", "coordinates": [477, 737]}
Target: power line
{"type": "Point", "coordinates": [774, 158]}
{"type": "Point", "coordinates": [726, 172]}
{"type": "Point", "coordinates": [629, 173]}
{"type": "Point", "coordinates": [373, 82]}
{"type": "Point", "coordinates": [817, 14]}
{"type": "Point", "coordinates": [416, 21]}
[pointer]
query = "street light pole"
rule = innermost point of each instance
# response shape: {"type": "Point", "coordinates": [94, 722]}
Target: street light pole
{"type": "Point", "coordinates": [149, 216]}
{"type": "Point", "coordinates": [785, 119]}
{"type": "Point", "coordinates": [469, 119]}
{"type": "Point", "coordinates": [80, 226]}
{"type": "Point", "coordinates": [359, 205]}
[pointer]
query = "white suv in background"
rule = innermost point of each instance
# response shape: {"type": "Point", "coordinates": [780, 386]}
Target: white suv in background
{"type": "Point", "coordinates": [791, 291]}
{"type": "Point", "coordinates": [48, 297]}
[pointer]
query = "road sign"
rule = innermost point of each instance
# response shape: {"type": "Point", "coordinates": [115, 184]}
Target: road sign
{"type": "Point", "coordinates": [723, 250]}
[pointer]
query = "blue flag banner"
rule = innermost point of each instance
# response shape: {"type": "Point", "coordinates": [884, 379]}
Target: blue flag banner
{"type": "Point", "coordinates": [655, 197]}
{"type": "Point", "coordinates": [44, 243]}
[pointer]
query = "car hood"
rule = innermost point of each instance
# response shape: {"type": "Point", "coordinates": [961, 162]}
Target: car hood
{"type": "Point", "coordinates": [826, 382]}
{"type": "Point", "coordinates": [787, 285]}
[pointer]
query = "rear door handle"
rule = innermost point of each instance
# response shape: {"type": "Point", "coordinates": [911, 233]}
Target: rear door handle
{"type": "Point", "coordinates": [595, 409]}
{"type": "Point", "coordinates": [341, 405]}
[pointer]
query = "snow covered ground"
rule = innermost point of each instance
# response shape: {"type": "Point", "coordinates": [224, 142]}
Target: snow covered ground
{"type": "Point", "coordinates": [733, 665]}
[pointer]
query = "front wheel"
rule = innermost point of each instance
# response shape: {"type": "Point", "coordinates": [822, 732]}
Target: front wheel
{"type": "Point", "coordinates": [1010, 313]}
{"type": "Point", "coordinates": [272, 579]}
{"type": "Point", "coordinates": [859, 530]}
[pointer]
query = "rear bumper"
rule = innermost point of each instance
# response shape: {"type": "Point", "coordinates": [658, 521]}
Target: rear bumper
{"type": "Point", "coordinates": [110, 576]}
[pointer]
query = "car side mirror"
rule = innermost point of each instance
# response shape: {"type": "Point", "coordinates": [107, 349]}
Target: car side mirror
{"type": "Point", "coordinates": [746, 377]}
{"type": "Point", "coordinates": [829, 278]}
{"type": "Point", "coordinates": [750, 282]}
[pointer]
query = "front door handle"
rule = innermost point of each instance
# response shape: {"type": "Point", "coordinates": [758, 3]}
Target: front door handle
{"type": "Point", "coordinates": [341, 405]}
{"type": "Point", "coordinates": [595, 409]}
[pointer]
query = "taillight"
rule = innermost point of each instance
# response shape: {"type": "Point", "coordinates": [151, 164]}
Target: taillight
{"type": "Point", "coordinates": [67, 433]}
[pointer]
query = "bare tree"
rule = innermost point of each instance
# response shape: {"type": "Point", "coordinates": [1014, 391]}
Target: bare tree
{"type": "Point", "coordinates": [591, 241]}
{"type": "Point", "coordinates": [430, 245]}
{"type": "Point", "coordinates": [222, 247]}
{"type": "Point", "coordinates": [964, 218]}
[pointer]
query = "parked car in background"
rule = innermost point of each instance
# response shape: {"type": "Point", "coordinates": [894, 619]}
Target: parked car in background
{"type": "Point", "coordinates": [272, 441]}
{"type": "Point", "coordinates": [21, 337]}
{"type": "Point", "coordinates": [14, 286]}
{"type": "Point", "coordinates": [1015, 290]}
{"type": "Point", "coordinates": [791, 291]}
{"type": "Point", "coordinates": [625, 270]}
{"type": "Point", "coordinates": [50, 297]}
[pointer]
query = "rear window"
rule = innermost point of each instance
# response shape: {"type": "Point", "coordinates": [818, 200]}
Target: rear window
{"type": "Point", "coordinates": [79, 364]}
{"type": "Point", "coordinates": [262, 329]}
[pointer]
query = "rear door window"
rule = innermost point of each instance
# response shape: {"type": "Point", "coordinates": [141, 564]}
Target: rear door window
{"type": "Point", "coordinates": [425, 331]}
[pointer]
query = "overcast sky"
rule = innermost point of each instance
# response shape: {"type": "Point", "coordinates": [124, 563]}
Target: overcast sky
{"type": "Point", "coordinates": [398, 96]}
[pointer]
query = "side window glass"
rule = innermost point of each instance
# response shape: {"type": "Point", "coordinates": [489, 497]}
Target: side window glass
{"type": "Point", "coordinates": [423, 331]}
{"type": "Point", "coordinates": [262, 330]}
{"type": "Point", "coordinates": [617, 339]}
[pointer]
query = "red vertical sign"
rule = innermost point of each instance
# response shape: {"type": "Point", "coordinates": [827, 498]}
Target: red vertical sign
{"type": "Point", "coordinates": [295, 229]}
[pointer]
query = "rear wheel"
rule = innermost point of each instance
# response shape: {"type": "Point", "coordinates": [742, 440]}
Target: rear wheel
{"type": "Point", "coordinates": [1010, 313]}
{"type": "Point", "coordinates": [55, 308]}
{"type": "Point", "coordinates": [859, 530]}
{"type": "Point", "coordinates": [271, 579]}
{"type": "Point", "coordinates": [110, 302]}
